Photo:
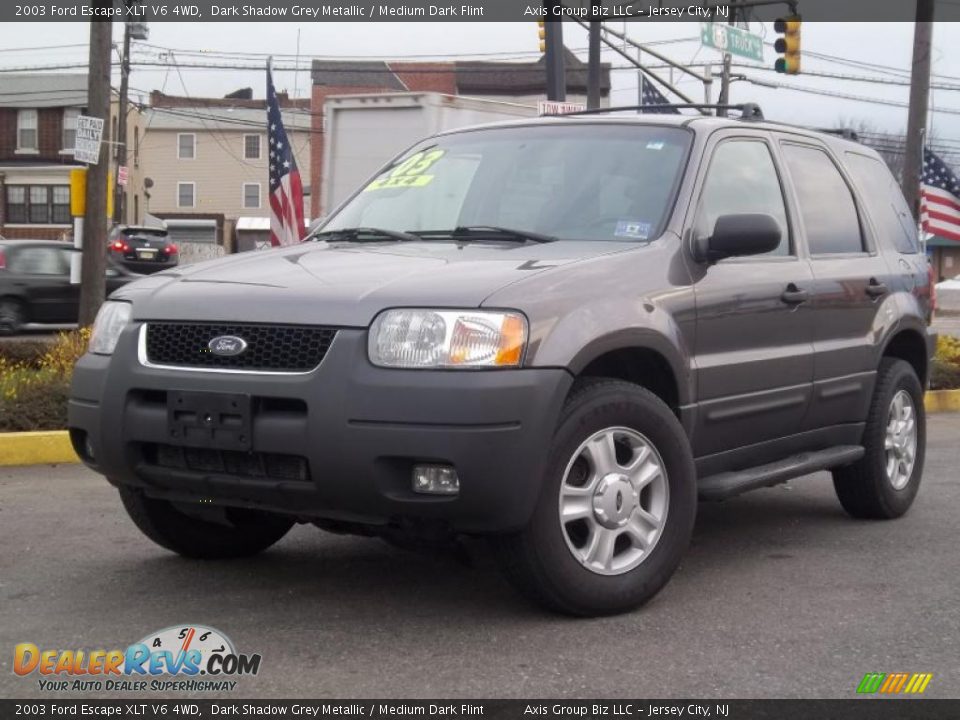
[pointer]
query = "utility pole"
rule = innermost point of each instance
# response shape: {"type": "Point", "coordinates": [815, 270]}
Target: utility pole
{"type": "Point", "coordinates": [593, 67]}
{"type": "Point", "coordinates": [917, 114]}
{"type": "Point", "coordinates": [556, 72]}
{"type": "Point", "coordinates": [119, 209]}
{"type": "Point", "coordinates": [727, 61]}
{"type": "Point", "coordinates": [93, 265]}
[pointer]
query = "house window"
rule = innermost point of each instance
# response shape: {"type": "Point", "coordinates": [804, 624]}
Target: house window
{"type": "Point", "coordinates": [16, 204]}
{"type": "Point", "coordinates": [39, 207]}
{"type": "Point", "coordinates": [251, 195]}
{"type": "Point", "coordinates": [116, 138]}
{"type": "Point", "coordinates": [136, 147]}
{"type": "Point", "coordinates": [251, 147]}
{"type": "Point", "coordinates": [186, 192]}
{"type": "Point", "coordinates": [27, 131]}
{"type": "Point", "coordinates": [38, 204]}
{"type": "Point", "coordinates": [186, 146]}
{"type": "Point", "coordinates": [60, 204]}
{"type": "Point", "coordinates": [70, 116]}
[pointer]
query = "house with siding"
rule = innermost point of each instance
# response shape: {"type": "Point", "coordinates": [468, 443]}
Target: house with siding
{"type": "Point", "coordinates": [208, 162]}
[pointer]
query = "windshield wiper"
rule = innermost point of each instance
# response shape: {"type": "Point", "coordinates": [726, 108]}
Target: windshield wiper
{"type": "Point", "coordinates": [466, 233]}
{"type": "Point", "coordinates": [364, 234]}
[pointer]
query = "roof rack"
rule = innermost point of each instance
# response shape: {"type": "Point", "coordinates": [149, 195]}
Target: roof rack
{"type": "Point", "coordinates": [748, 111]}
{"type": "Point", "coordinates": [845, 133]}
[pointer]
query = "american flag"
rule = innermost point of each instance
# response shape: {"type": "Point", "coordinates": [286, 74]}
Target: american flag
{"type": "Point", "coordinates": [939, 198]}
{"type": "Point", "coordinates": [649, 95]}
{"type": "Point", "coordinates": [286, 190]}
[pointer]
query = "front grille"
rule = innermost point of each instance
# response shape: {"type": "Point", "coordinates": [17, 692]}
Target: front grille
{"type": "Point", "coordinates": [265, 466]}
{"type": "Point", "coordinates": [278, 348]}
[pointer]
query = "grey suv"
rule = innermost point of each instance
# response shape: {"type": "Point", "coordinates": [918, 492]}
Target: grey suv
{"type": "Point", "coordinates": [555, 333]}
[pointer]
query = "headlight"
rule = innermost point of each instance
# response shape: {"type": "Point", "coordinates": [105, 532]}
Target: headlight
{"type": "Point", "coordinates": [447, 339]}
{"type": "Point", "coordinates": [111, 320]}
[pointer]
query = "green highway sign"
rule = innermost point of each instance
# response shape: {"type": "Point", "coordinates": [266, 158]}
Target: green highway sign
{"type": "Point", "coordinates": [731, 39]}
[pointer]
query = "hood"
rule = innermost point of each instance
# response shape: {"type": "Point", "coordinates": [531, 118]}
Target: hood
{"type": "Point", "coordinates": [346, 284]}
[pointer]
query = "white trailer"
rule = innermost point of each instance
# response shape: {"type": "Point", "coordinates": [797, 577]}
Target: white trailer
{"type": "Point", "coordinates": [362, 132]}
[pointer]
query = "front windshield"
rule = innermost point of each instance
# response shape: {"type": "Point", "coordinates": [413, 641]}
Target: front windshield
{"type": "Point", "coordinates": [585, 182]}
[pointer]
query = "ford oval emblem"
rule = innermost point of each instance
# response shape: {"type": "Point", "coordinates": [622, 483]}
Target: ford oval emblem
{"type": "Point", "coordinates": [227, 345]}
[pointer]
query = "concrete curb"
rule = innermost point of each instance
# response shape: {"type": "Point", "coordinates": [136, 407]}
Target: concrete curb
{"type": "Point", "coordinates": [53, 446]}
{"type": "Point", "coordinates": [36, 448]}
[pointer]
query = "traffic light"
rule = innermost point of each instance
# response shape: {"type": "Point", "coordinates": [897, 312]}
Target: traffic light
{"type": "Point", "coordinates": [788, 45]}
{"type": "Point", "coordinates": [542, 33]}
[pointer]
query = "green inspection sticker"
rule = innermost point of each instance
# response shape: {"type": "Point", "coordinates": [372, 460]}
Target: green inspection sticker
{"type": "Point", "coordinates": [409, 173]}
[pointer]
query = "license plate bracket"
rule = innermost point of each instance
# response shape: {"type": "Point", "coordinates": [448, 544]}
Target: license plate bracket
{"type": "Point", "coordinates": [222, 421]}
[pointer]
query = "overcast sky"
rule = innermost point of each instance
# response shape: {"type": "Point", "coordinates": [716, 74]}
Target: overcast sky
{"type": "Point", "coordinates": [888, 44]}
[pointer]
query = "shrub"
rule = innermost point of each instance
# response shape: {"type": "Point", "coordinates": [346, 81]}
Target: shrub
{"type": "Point", "coordinates": [34, 391]}
{"type": "Point", "coordinates": [23, 352]}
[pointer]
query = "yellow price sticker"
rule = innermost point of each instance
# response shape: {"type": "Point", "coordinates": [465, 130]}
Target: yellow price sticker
{"type": "Point", "coordinates": [409, 173]}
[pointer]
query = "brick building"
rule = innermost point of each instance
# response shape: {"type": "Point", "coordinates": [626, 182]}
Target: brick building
{"type": "Point", "coordinates": [517, 82]}
{"type": "Point", "coordinates": [38, 116]}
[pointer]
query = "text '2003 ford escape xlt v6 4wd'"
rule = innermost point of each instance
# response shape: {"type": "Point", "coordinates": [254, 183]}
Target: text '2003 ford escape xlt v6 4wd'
{"type": "Point", "coordinates": [557, 333]}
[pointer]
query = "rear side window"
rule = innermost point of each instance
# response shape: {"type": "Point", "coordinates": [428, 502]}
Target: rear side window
{"type": "Point", "coordinates": [885, 202]}
{"type": "Point", "coordinates": [826, 204]}
{"type": "Point", "coordinates": [37, 261]}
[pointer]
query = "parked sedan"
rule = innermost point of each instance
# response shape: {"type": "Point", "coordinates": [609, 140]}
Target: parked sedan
{"type": "Point", "coordinates": [35, 283]}
{"type": "Point", "coordinates": [143, 249]}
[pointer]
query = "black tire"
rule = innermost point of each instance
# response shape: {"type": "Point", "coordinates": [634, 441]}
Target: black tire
{"type": "Point", "coordinates": [11, 316]}
{"type": "Point", "coordinates": [864, 488]}
{"type": "Point", "coordinates": [539, 562]}
{"type": "Point", "coordinates": [242, 534]}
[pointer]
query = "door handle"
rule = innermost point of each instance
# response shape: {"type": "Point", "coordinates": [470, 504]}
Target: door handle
{"type": "Point", "coordinates": [876, 289]}
{"type": "Point", "coordinates": [794, 295]}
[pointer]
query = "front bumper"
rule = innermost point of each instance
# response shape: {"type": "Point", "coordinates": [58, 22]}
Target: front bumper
{"type": "Point", "coordinates": [359, 430]}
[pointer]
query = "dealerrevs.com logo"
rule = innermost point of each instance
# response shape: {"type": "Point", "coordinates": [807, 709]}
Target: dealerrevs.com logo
{"type": "Point", "coordinates": [188, 658]}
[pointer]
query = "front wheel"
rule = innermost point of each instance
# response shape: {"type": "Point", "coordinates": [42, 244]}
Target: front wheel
{"type": "Point", "coordinates": [883, 484]}
{"type": "Point", "coordinates": [617, 508]}
{"type": "Point", "coordinates": [213, 534]}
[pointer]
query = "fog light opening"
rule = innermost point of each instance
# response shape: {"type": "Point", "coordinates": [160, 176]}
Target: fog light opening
{"type": "Point", "coordinates": [435, 480]}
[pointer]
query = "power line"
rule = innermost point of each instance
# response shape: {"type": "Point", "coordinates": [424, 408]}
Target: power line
{"type": "Point", "coordinates": [42, 47]}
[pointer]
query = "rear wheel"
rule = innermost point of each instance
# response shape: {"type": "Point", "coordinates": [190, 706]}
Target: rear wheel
{"type": "Point", "coordinates": [884, 483]}
{"type": "Point", "coordinates": [211, 534]}
{"type": "Point", "coordinates": [617, 507]}
{"type": "Point", "coordinates": [11, 316]}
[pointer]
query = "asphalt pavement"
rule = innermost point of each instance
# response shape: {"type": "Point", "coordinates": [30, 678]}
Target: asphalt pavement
{"type": "Point", "coordinates": [781, 595]}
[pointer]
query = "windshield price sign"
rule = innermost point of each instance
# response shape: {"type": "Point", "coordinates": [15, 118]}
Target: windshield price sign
{"type": "Point", "coordinates": [89, 134]}
{"type": "Point", "coordinates": [731, 39]}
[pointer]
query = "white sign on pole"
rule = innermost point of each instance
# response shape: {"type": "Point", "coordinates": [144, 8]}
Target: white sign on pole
{"type": "Point", "coordinates": [122, 176]}
{"type": "Point", "coordinates": [89, 134]}
{"type": "Point", "coordinates": [555, 107]}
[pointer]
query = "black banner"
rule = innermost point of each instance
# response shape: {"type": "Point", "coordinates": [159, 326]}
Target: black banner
{"type": "Point", "coordinates": [863, 709]}
{"type": "Point", "coordinates": [306, 11]}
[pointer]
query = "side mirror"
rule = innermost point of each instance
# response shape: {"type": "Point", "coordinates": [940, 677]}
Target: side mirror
{"type": "Point", "coordinates": [740, 235]}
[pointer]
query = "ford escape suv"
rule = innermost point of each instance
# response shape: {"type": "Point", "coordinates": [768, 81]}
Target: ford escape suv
{"type": "Point", "coordinates": [558, 333]}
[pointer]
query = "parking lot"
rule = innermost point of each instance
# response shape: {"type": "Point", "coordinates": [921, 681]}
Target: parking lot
{"type": "Point", "coordinates": [781, 595]}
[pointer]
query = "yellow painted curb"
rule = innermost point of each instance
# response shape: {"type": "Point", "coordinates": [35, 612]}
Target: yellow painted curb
{"type": "Point", "coordinates": [938, 401]}
{"type": "Point", "coordinates": [36, 448]}
{"type": "Point", "coordinates": [50, 447]}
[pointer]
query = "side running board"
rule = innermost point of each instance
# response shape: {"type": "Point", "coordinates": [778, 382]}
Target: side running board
{"type": "Point", "coordinates": [728, 484]}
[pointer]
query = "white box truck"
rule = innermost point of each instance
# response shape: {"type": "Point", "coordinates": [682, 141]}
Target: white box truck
{"type": "Point", "coordinates": [362, 132]}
